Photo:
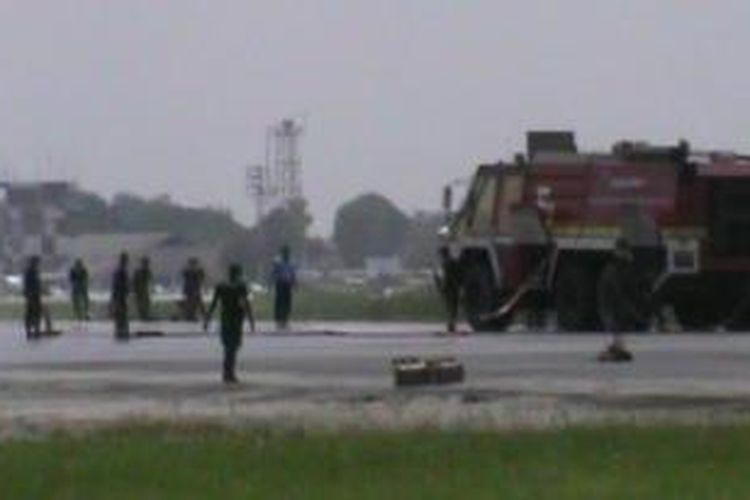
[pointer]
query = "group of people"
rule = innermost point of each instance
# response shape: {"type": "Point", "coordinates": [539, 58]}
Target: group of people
{"type": "Point", "coordinates": [141, 285]}
{"type": "Point", "coordinates": [231, 296]}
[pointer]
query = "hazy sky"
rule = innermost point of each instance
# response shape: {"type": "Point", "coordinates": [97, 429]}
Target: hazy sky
{"type": "Point", "coordinates": [399, 96]}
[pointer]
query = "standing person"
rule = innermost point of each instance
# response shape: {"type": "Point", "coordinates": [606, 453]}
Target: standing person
{"type": "Point", "coordinates": [193, 278]}
{"type": "Point", "coordinates": [78, 278]}
{"type": "Point", "coordinates": [450, 285]}
{"type": "Point", "coordinates": [46, 312]}
{"type": "Point", "coordinates": [119, 298]}
{"type": "Point", "coordinates": [142, 280]}
{"type": "Point", "coordinates": [235, 307]}
{"type": "Point", "coordinates": [284, 277]}
{"type": "Point", "coordinates": [620, 300]}
{"type": "Point", "coordinates": [32, 294]}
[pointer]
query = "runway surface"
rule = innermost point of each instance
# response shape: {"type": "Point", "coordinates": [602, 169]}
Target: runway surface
{"type": "Point", "coordinates": [335, 375]}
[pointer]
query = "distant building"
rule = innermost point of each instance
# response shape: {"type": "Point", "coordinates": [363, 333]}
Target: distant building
{"type": "Point", "coordinates": [29, 217]}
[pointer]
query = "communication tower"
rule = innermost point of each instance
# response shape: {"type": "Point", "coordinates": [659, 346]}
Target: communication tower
{"type": "Point", "coordinates": [279, 179]}
{"type": "Point", "coordinates": [287, 161]}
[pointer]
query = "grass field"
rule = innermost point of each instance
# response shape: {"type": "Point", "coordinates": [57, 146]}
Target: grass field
{"type": "Point", "coordinates": [185, 463]}
{"type": "Point", "coordinates": [421, 304]}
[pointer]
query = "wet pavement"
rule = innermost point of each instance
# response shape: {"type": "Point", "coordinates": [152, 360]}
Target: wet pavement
{"type": "Point", "coordinates": [335, 375]}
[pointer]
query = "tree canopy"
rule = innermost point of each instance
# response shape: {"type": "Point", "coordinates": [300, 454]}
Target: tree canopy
{"type": "Point", "coordinates": [369, 225]}
{"type": "Point", "coordinates": [127, 213]}
{"type": "Point", "coordinates": [285, 225]}
{"type": "Point", "coordinates": [420, 247]}
{"type": "Point", "coordinates": [254, 247]}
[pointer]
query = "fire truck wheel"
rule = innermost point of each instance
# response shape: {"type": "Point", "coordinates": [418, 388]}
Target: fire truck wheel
{"type": "Point", "coordinates": [480, 298]}
{"type": "Point", "coordinates": [575, 298]}
{"type": "Point", "coordinates": [696, 313]}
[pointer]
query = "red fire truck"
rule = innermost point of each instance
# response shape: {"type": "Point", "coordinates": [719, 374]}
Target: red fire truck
{"type": "Point", "coordinates": [544, 224]}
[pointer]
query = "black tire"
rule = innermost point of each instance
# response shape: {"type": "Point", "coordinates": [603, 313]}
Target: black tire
{"type": "Point", "coordinates": [481, 297]}
{"type": "Point", "coordinates": [740, 325]}
{"type": "Point", "coordinates": [695, 314]}
{"type": "Point", "coordinates": [575, 298]}
{"type": "Point", "coordinates": [734, 296]}
{"type": "Point", "coordinates": [700, 311]}
{"type": "Point", "coordinates": [737, 319]}
{"type": "Point", "coordinates": [704, 302]}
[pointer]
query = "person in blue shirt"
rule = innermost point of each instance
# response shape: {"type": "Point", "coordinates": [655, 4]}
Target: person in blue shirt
{"type": "Point", "coordinates": [284, 278]}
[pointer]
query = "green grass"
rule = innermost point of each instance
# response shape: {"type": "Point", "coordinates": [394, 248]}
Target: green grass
{"type": "Point", "coordinates": [422, 304]}
{"type": "Point", "coordinates": [185, 463]}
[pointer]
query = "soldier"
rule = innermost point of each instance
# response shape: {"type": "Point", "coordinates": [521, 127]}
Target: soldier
{"type": "Point", "coordinates": [193, 278]}
{"type": "Point", "coordinates": [119, 298]}
{"type": "Point", "coordinates": [284, 277]}
{"type": "Point", "coordinates": [46, 312]}
{"type": "Point", "coordinates": [32, 293]}
{"type": "Point", "coordinates": [450, 285]}
{"type": "Point", "coordinates": [142, 279]}
{"type": "Point", "coordinates": [620, 301]}
{"type": "Point", "coordinates": [79, 290]}
{"type": "Point", "coordinates": [235, 307]}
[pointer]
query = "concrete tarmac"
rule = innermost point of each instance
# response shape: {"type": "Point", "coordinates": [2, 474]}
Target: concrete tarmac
{"type": "Point", "coordinates": [338, 375]}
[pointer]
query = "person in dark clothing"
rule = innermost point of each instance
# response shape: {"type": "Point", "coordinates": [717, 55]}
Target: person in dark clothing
{"type": "Point", "coordinates": [193, 278]}
{"type": "Point", "coordinates": [79, 290]}
{"type": "Point", "coordinates": [32, 294]}
{"type": "Point", "coordinates": [284, 278]}
{"type": "Point", "coordinates": [235, 308]}
{"type": "Point", "coordinates": [142, 280]}
{"type": "Point", "coordinates": [536, 299]}
{"type": "Point", "coordinates": [119, 298]}
{"type": "Point", "coordinates": [450, 285]}
{"type": "Point", "coordinates": [621, 301]}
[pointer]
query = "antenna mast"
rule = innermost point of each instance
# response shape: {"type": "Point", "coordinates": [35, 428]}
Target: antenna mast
{"type": "Point", "coordinates": [279, 179]}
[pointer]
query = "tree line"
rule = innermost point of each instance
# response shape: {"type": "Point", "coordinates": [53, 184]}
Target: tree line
{"type": "Point", "coordinates": [368, 225]}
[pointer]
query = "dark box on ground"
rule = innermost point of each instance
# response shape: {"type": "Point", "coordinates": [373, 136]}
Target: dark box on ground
{"type": "Point", "coordinates": [411, 370]}
{"type": "Point", "coordinates": [446, 371]}
{"type": "Point", "coordinates": [141, 334]}
{"type": "Point", "coordinates": [50, 333]}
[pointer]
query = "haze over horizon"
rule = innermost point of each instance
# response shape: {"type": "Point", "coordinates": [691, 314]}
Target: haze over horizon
{"type": "Point", "coordinates": [398, 97]}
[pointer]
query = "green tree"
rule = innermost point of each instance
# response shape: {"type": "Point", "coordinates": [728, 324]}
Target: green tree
{"type": "Point", "coordinates": [285, 225]}
{"type": "Point", "coordinates": [369, 225]}
{"type": "Point", "coordinates": [134, 214]}
{"type": "Point", "coordinates": [422, 239]}
{"type": "Point", "coordinates": [85, 212]}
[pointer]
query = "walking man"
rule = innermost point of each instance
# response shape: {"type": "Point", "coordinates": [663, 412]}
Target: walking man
{"type": "Point", "coordinates": [193, 278]}
{"type": "Point", "coordinates": [32, 294]}
{"type": "Point", "coordinates": [284, 277]}
{"type": "Point", "coordinates": [119, 298]}
{"type": "Point", "coordinates": [235, 307]}
{"type": "Point", "coordinates": [620, 300]}
{"type": "Point", "coordinates": [78, 278]}
{"type": "Point", "coordinates": [142, 280]}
